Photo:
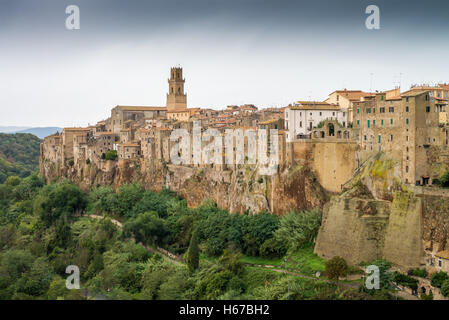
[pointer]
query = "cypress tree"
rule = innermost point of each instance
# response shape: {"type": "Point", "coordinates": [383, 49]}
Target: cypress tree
{"type": "Point", "coordinates": [193, 253]}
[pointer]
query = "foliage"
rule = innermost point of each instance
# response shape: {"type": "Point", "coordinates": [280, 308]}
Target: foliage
{"type": "Point", "coordinates": [444, 180]}
{"type": "Point", "coordinates": [445, 288]}
{"type": "Point", "coordinates": [111, 155]}
{"type": "Point", "coordinates": [298, 229]}
{"type": "Point", "coordinates": [336, 268]}
{"type": "Point", "coordinates": [422, 273]}
{"type": "Point", "coordinates": [193, 254]}
{"type": "Point", "coordinates": [19, 155]}
{"type": "Point", "coordinates": [405, 280]}
{"type": "Point", "coordinates": [438, 279]}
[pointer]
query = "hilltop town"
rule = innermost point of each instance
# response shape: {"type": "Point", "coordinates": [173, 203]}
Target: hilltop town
{"type": "Point", "coordinates": [372, 160]}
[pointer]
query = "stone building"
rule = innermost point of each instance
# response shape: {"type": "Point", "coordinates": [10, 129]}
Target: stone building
{"type": "Point", "coordinates": [303, 116]}
{"type": "Point", "coordinates": [405, 126]}
{"type": "Point", "coordinates": [345, 100]}
{"type": "Point", "coordinates": [128, 151]}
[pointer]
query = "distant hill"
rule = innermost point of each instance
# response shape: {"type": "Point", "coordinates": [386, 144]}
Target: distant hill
{"type": "Point", "coordinates": [11, 129]}
{"type": "Point", "coordinates": [41, 133]}
{"type": "Point", "coordinates": [19, 155]}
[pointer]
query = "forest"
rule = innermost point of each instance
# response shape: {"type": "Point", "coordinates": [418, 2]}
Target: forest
{"type": "Point", "coordinates": [19, 155]}
{"type": "Point", "coordinates": [118, 240]}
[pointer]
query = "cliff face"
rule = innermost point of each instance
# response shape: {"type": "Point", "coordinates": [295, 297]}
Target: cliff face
{"type": "Point", "coordinates": [378, 217]}
{"type": "Point", "coordinates": [238, 190]}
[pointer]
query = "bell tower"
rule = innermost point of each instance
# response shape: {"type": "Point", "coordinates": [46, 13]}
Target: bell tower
{"type": "Point", "coordinates": [176, 98]}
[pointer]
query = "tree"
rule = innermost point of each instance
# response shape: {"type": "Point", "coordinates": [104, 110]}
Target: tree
{"type": "Point", "coordinates": [111, 155]}
{"type": "Point", "coordinates": [445, 288]}
{"type": "Point", "coordinates": [193, 254]}
{"type": "Point", "coordinates": [438, 279]}
{"type": "Point", "coordinates": [297, 229]}
{"type": "Point", "coordinates": [336, 268]}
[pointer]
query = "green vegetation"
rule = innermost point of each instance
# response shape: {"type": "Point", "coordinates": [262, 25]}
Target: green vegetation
{"type": "Point", "coordinates": [422, 273]}
{"type": "Point", "coordinates": [405, 280]}
{"type": "Point", "coordinates": [443, 181]}
{"type": "Point", "coordinates": [336, 268]}
{"type": "Point", "coordinates": [438, 279]}
{"type": "Point", "coordinates": [445, 288]}
{"type": "Point", "coordinates": [44, 228]}
{"type": "Point", "coordinates": [193, 254]}
{"type": "Point", "coordinates": [111, 155]}
{"type": "Point", "coordinates": [19, 155]}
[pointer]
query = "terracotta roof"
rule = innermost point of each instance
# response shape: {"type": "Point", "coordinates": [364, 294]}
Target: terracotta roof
{"type": "Point", "coordinates": [352, 94]}
{"type": "Point", "coordinates": [443, 254]}
{"type": "Point", "coordinates": [76, 129]}
{"type": "Point", "coordinates": [141, 108]}
{"type": "Point", "coordinates": [313, 105]}
{"type": "Point", "coordinates": [413, 93]}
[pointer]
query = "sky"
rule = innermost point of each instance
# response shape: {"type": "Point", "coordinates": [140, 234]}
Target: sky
{"type": "Point", "coordinates": [265, 52]}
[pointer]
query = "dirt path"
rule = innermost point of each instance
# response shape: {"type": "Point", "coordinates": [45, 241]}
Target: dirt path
{"type": "Point", "coordinates": [173, 258]}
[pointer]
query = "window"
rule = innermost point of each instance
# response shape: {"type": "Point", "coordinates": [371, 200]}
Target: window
{"type": "Point", "coordinates": [406, 138]}
{"type": "Point", "coordinates": [382, 110]}
{"type": "Point", "coordinates": [344, 124]}
{"type": "Point", "coordinates": [374, 110]}
{"type": "Point", "coordinates": [427, 97]}
{"type": "Point", "coordinates": [391, 137]}
{"type": "Point", "coordinates": [320, 113]}
{"type": "Point", "coordinates": [382, 98]}
{"type": "Point", "coordinates": [374, 123]}
{"type": "Point", "coordinates": [391, 121]}
{"type": "Point", "coordinates": [364, 137]}
{"type": "Point", "coordinates": [427, 109]}
{"type": "Point", "coordinates": [358, 110]}
{"type": "Point", "coordinates": [391, 109]}
{"type": "Point", "coordinates": [368, 110]}
{"type": "Point", "coordinates": [406, 169]}
{"type": "Point", "coordinates": [440, 263]}
{"type": "Point", "coordinates": [406, 120]}
{"type": "Point", "coordinates": [406, 99]}
{"type": "Point", "coordinates": [368, 123]}
{"type": "Point", "coordinates": [406, 109]}
{"type": "Point", "coordinates": [358, 123]}
{"type": "Point", "coordinates": [382, 122]}
{"type": "Point", "coordinates": [333, 114]}
{"type": "Point", "coordinates": [379, 138]}
{"type": "Point", "coordinates": [300, 124]}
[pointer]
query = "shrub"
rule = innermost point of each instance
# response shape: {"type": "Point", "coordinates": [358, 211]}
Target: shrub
{"type": "Point", "coordinates": [273, 248]}
{"type": "Point", "coordinates": [71, 163]}
{"type": "Point", "coordinates": [336, 268]}
{"type": "Point", "coordinates": [405, 280]}
{"type": "Point", "coordinates": [438, 279]}
{"type": "Point", "coordinates": [111, 155]}
{"type": "Point", "coordinates": [88, 161]}
{"type": "Point", "coordinates": [297, 229]}
{"type": "Point", "coordinates": [445, 288]}
{"type": "Point", "coordinates": [422, 273]}
{"type": "Point", "coordinates": [444, 180]}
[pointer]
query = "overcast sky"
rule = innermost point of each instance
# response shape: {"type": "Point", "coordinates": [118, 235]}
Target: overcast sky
{"type": "Point", "coordinates": [265, 52]}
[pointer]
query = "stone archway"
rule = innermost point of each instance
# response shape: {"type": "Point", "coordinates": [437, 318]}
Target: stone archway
{"type": "Point", "coordinates": [331, 130]}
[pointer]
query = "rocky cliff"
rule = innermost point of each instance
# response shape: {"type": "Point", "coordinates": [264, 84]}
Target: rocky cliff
{"type": "Point", "coordinates": [238, 190]}
{"type": "Point", "coordinates": [378, 217]}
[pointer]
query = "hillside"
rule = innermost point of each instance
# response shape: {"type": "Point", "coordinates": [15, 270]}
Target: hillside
{"type": "Point", "coordinates": [19, 155]}
{"type": "Point", "coordinates": [41, 133]}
